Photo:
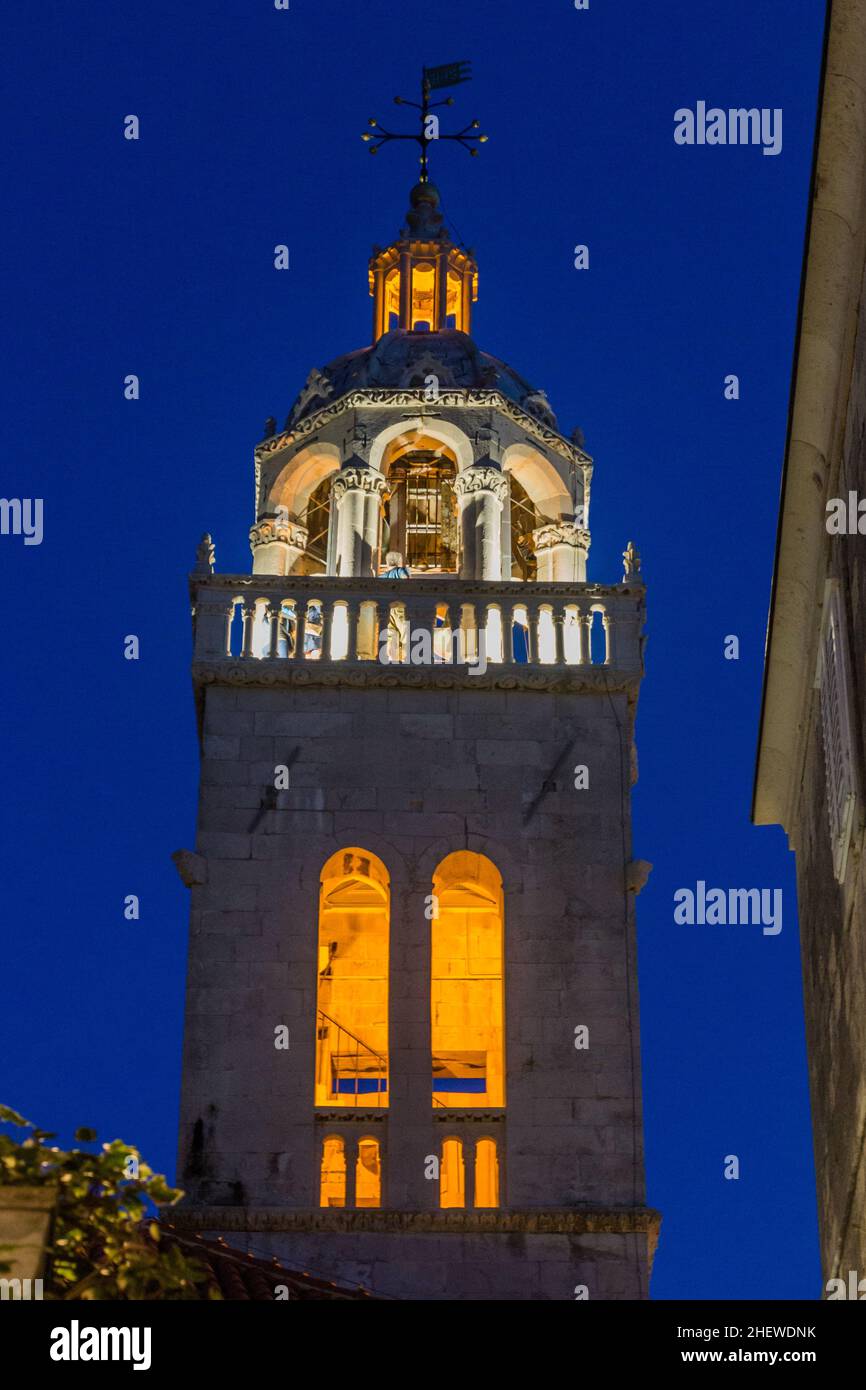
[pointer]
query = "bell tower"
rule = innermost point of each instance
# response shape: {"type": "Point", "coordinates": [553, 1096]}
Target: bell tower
{"type": "Point", "coordinates": [411, 1051]}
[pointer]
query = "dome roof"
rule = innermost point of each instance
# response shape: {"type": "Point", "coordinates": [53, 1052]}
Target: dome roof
{"type": "Point", "coordinates": [404, 359]}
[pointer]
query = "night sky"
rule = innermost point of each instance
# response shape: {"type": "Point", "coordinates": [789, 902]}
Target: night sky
{"type": "Point", "coordinates": [155, 257]}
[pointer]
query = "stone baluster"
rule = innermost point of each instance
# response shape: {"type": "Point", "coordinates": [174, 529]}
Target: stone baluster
{"type": "Point", "coordinates": [559, 638]}
{"type": "Point", "coordinates": [353, 628]}
{"type": "Point", "coordinates": [327, 610]}
{"type": "Point", "coordinates": [249, 628]}
{"type": "Point", "coordinates": [274, 611]}
{"type": "Point", "coordinates": [533, 617]}
{"type": "Point", "coordinates": [507, 611]}
{"type": "Point", "coordinates": [299, 608]}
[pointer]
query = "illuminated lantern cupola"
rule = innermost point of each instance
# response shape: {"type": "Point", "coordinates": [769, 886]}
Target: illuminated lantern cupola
{"type": "Point", "coordinates": [423, 282]}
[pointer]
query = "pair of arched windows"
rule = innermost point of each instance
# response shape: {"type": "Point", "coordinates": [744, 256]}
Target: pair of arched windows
{"type": "Point", "coordinates": [465, 912]}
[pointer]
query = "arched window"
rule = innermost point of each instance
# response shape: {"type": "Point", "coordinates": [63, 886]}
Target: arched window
{"type": "Point", "coordinates": [333, 1183]}
{"type": "Point", "coordinates": [421, 509]}
{"type": "Point", "coordinates": [423, 283]}
{"type": "Point", "coordinates": [467, 1009]}
{"type": "Point", "coordinates": [368, 1174]}
{"type": "Point", "coordinates": [352, 1007]}
{"type": "Point", "coordinates": [524, 520]}
{"type": "Point", "coordinates": [316, 518]}
{"type": "Point", "coordinates": [452, 1176]}
{"type": "Point", "coordinates": [486, 1174]}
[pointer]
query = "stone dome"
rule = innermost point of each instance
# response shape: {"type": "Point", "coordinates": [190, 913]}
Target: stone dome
{"type": "Point", "coordinates": [405, 359]}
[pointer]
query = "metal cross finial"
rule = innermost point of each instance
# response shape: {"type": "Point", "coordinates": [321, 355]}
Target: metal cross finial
{"type": "Point", "coordinates": [432, 79]}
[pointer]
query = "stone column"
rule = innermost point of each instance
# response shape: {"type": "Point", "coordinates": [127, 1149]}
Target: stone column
{"type": "Point", "coordinates": [441, 291]}
{"type": "Point", "coordinates": [405, 289]}
{"type": "Point", "coordinates": [482, 491]}
{"type": "Point", "coordinates": [561, 549]}
{"type": "Point", "coordinates": [355, 500]}
{"type": "Point", "coordinates": [277, 545]}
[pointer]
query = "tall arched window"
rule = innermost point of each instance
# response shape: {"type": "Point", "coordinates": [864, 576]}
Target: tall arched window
{"type": "Point", "coordinates": [352, 1007]}
{"type": "Point", "coordinates": [333, 1181]}
{"type": "Point", "coordinates": [486, 1174]}
{"type": "Point", "coordinates": [368, 1174]}
{"type": "Point", "coordinates": [467, 1007]}
{"type": "Point", "coordinates": [452, 1175]}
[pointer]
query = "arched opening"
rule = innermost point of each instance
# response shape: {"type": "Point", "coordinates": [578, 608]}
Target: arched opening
{"type": "Point", "coordinates": [486, 1173]}
{"type": "Point", "coordinates": [332, 1188]}
{"type": "Point", "coordinates": [352, 1003]}
{"type": "Point", "coordinates": [467, 1009]}
{"type": "Point", "coordinates": [368, 1174]}
{"type": "Point", "coordinates": [454, 308]}
{"type": "Point", "coordinates": [597, 638]}
{"type": "Point", "coordinates": [392, 300]}
{"type": "Point", "coordinates": [423, 284]}
{"type": "Point", "coordinates": [452, 1176]}
{"type": "Point", "coordinates": [316, 518]}
{"type": "Point", "coordinates": [524, 520]}
{"type": "Point", "coordinates": [421, 505]}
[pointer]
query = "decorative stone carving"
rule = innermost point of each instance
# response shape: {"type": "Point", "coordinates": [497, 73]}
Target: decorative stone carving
{"type": "Point", "coordinates": [395, 676]}
{"type": "Point", "coordinates": [406, 397]}
{"type": "Point", "coordinates": [205, 553]}
{"type": "Point", "coordinates": [368, 480]}
{"type": "Point", "coordinates": [482, 478]}
{"type": "Point", "coordinates": [537, 404]}
{"type": "Point", "coordinates": [271, 529]}
{"type": "Point", "coordinates": [317, 385]}
{"type": "Point", "coordinates": [560, 533]}
{"type": "Point", "coordinates": [631, 564]}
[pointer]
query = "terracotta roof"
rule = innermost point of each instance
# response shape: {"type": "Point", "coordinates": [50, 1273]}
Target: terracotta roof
{"type": "Point", "coordinates": [246, 1277]}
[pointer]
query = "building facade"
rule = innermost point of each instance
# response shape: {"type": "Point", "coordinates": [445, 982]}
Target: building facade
{"type": "Point", "coordinates": [811, 769]}
{"type": "Point", "coordinates": [412, 1039]}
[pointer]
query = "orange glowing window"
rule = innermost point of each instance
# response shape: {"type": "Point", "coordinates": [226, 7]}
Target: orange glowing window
{"type": "Point", "coordinates": [452, 1183]}
{"type": "Point", "coordinates": [423, 283]}
{"type": "Point", "coordinates": [352, 1008]}
{"type": "Point", "coordinates": [467, 1011]}
{"type": "Point", "coordinates": [486, 1174]}
{"type": "Point", "coordinates": [333, 1180]}
{"type": "Point", "coordinates": [368, 1174]}
{"type": "Point", "coordinates": [392, 299]}
{"type": "Point", "coordinates": [454, 301]}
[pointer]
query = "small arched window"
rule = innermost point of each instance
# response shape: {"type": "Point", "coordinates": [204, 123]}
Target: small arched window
{"type": "Point", "coordinates": [368, 1174]}
{"type": "Point", "coordinates": [452, 1177]}
{"type": "Point", "coordinates": [486, 1173]}
{"type": "Point", "coordinates": [333, 1174]}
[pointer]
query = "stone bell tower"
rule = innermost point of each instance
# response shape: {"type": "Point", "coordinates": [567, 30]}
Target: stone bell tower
{"type": "Point", "coordinates": [412, 1046]}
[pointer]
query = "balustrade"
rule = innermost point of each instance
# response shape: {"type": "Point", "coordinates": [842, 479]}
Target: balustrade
{"type": "Point", "coordinates": [416, 622]}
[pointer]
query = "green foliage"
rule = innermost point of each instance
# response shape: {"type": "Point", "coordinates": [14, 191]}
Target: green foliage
{"type": "Point", "coordinates": [102, 1246]}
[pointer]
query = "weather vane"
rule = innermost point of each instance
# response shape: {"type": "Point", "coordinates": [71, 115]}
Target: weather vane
{"type": "Point", "coordinates": [432, 79]}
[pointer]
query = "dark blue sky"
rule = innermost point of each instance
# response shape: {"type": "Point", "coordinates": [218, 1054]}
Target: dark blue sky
{"type": "Point", "coordinates": [156, 258]}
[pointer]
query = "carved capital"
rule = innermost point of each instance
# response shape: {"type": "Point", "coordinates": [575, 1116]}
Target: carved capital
{"type": "Point", "coordinates": [268, 531]}
{"type": "Point", "coordinates": [357, 480]}
{"type": "Point", "coordinates": [560, 533]}
{"type": "Point", "coordinates": [481, 478]}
